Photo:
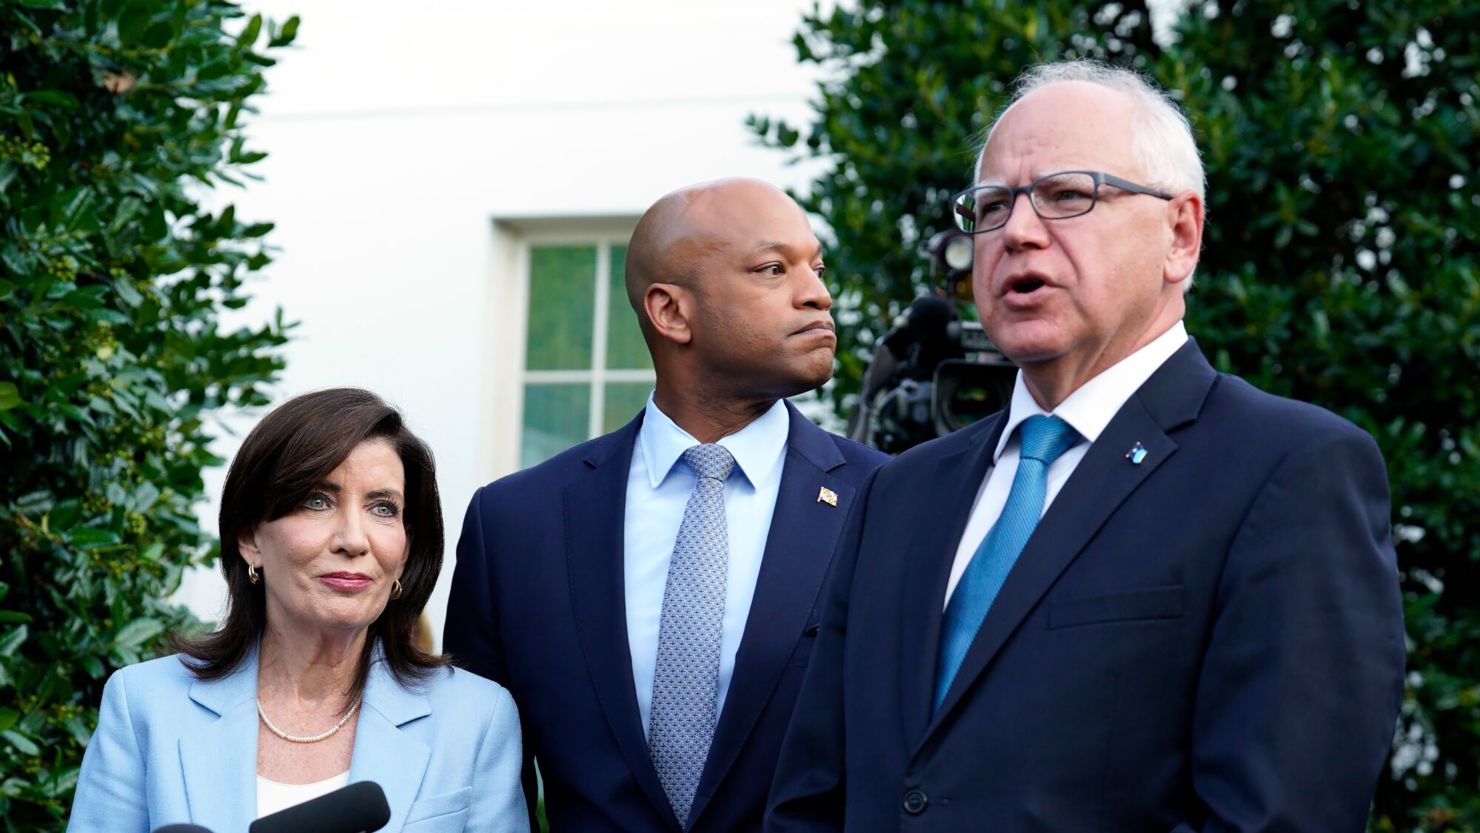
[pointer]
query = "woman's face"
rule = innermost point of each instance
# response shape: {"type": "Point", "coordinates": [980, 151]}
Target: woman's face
{"type": "Point", "coordinates": [329, 565]}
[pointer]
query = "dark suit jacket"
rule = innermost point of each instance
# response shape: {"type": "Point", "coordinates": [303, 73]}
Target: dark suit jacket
{"type": "Point", "coordinates": [1210, 640]}
{"type": "Point", "coordinates": [538, 605]}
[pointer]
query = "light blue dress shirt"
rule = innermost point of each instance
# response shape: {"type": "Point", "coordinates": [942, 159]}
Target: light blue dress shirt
{"type": "Point", "coordinates": [658, 489]}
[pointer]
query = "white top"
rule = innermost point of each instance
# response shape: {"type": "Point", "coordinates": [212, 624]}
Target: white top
{"type": "Point", "coordinates": [1087, 410]}
{"type": "Point", "coordinates": [273, 796]}
{"type": "Point", "coordinates": [658, 487]}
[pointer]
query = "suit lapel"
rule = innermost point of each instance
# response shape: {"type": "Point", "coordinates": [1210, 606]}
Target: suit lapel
{"type": "Point", "coordinates": [957, 479]}
{"type": "Point", "coordinates": [383, 753]}
{"type": "Point", "coordinates": [219, 763]}
{"type": "Point", "coordinates": [1100, 484]}
{"type": "Point", "coordinates": [595, 506]}
{"type": "Point", "coordinates": [799, 548]}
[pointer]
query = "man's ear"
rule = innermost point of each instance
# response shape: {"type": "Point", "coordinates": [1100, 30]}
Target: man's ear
{"type": "Point", "coordinates": [668, 307]}
{"type": "Point", "coordinates": [1185, 215]}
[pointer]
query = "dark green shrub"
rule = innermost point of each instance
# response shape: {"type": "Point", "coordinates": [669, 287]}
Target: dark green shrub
{"type": "Point", "coordinates": [117, 119]}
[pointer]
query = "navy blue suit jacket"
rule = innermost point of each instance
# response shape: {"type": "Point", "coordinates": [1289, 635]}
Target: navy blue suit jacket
{"type": "Point", "coordinates": [537, 605]}
{"type": "Point", "coordinates": [1209, 640]}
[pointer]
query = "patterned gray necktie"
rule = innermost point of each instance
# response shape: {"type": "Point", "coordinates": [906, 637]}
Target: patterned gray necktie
{"type": "Point", "coordinates": [686, 678]}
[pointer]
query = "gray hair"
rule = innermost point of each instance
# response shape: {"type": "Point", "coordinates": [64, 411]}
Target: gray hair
{"type": "Point", "coordinates": [1162, 138]}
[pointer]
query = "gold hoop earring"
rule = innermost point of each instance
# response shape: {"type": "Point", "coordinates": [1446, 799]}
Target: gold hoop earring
{"type": "Point", "coordinates": [252, 574]}
{"type": "Point", "coordinates": [395, 588]}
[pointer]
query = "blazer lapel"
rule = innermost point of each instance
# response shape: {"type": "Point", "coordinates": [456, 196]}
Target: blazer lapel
{"type": "Point", "coordinates": [219, 763]}
{"type": "Point", "coordinates": [799, 547]}
{"type": "Point", "coordinates": [595, 507]}
{"type": "Point", "coordinates": [958, 478]}
{"type": "Point", "coordinates": [383, 753]}
{"type": "Point", "coordinates": [1100, 484]}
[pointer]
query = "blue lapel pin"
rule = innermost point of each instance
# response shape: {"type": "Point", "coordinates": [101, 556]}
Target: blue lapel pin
{"type": "Point", "coordinates": [1137, 454]}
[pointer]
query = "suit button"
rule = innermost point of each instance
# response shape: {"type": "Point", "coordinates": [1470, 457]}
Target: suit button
{"type": "Point", "coordinates": [915, 802]}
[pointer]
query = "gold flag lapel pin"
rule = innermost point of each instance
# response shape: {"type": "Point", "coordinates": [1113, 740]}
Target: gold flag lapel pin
{"type": "Point", "coordinates": [827, 496]}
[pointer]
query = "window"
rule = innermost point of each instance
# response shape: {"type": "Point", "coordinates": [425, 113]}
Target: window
{"type": "Point", "coordinates": [586, 369]}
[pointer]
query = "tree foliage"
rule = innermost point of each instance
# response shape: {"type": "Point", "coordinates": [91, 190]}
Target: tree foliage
{"type": "Point", "coordinates": [116, 121]}
{"type": "Point", "coordinates": [1339, 264]}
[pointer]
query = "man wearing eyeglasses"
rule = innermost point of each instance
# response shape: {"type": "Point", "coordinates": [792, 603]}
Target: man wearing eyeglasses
{"type": "Point", "coordinates": [1147, 596]}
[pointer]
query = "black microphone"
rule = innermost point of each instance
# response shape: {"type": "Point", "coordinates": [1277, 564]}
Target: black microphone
{"type": "Point", "coordinates": [925, 322]}
{"type": "Point", "coordinates": [181, 828]}
{"type": "Point", "coordinates": [357, 808]}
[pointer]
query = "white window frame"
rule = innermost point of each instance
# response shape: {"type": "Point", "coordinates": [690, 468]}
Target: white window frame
{"type": "Point", "coordinates": [513, 239]}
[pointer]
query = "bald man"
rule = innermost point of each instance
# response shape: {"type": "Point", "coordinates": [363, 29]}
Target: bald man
{"type": "Point", "coordinates": [651, 597]}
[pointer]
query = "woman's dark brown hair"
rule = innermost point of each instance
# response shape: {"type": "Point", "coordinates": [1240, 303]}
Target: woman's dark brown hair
{"type": "Point", "coordinates": [290, 452]}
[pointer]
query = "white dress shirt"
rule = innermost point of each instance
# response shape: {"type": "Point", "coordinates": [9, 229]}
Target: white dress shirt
{"type": "Point", "coordinates": [1087, 410]}
{"type": "Point", "coordinates": [658, 488]}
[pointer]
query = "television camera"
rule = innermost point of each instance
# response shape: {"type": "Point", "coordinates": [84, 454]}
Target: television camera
{"type": "Point", "coordinates": [933, 372]}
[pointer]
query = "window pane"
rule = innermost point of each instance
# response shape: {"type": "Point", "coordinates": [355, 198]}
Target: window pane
{"type": "Point", "coordinates": [625, 349]}
{"type": "Point", "coordinates": [562, 297]}
{"type": "Point", "coordinates": [623, 401]}
{"type": "Point", "coordinates": [555, 418]}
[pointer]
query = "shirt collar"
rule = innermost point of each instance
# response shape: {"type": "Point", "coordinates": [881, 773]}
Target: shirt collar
{"type": "Point", "coordinates": [1090, 408]}
{"type": "Point", "coordinates": [758, 448]}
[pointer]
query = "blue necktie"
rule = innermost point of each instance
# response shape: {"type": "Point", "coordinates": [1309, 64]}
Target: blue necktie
{"type": "Point", "coordinates": [686, 677]}
{"type": "Point", "coordinates": [1043, 439]}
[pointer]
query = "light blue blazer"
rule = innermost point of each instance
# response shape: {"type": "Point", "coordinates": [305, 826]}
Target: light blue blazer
{"type": "Point", "coordinates": [173, 749]}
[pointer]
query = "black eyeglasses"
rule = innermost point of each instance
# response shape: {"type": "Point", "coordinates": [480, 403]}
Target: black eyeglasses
{"type": "Point", "coordinates": [1053, 196]}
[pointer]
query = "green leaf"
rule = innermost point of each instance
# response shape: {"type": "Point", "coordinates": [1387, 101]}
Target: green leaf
{"type": "Point", "coordinates": [144, 497]}
{"type": "Point", "coordinates": [56, 98]}
{"type": "Point", "coordinates": [287, 33]}
{"type": "Point", "coordinates": [8, 718]}
{"type": "Point", "coordinates": [80, 733]}
{"type": "Point", "coordinates": [35, 503]}
{"type": "Point", "coordinates": [22, 744]}
{"type": "Point", "coordinates": [80, 211]}
{"type": "Point", "coordinates": [130, 296]}
{"type": "Point", "coordinates": [133, 19]}
{"type": "Point", "coordinates": [13, 639]}
{"type": "Point", "coordinates": [9, 396]}
{"type": "Point", "coordinates": [159, 34]}
{"type": "Point", "coordinates": [137, 632]}
{"type": "Point", "coordinates": [249, 32]}
{"type": "Point", "coordinates": [87, 538]}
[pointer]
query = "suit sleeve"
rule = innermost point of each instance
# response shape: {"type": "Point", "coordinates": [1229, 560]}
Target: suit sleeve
{"type": "Point", "coordinates": [1303, 675]}
{"type": "Point", "coordinates": [471, 632]}
{"type": "Point", "coordinates": [808, 791]}
{"type": "Point", "coordinates": [498, 804]}
{"type": "Point", "coordinates": [110, 787]}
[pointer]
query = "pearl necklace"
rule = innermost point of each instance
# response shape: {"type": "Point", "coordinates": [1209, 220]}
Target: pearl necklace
{"type": "Point", "coordinates": [311, 738]}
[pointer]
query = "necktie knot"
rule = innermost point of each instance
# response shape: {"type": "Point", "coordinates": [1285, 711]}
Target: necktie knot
{"type": "Point", "coordinates": [710, 460]}
{"type": "Point", "coordinates": [1044, 438]}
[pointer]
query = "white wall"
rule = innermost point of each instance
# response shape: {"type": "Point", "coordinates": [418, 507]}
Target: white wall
{"type": "Point", "coordinates": [397, 132]}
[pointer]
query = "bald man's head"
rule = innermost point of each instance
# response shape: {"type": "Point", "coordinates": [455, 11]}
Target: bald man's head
{"type": "Point", "coordinates": [682, 226]}
{"type": "Point", "coordinates": [733, 270]}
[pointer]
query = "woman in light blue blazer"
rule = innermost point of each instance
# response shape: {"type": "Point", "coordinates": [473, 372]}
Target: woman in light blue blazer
{"type": "Point", "coordinates": [331, 542]}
